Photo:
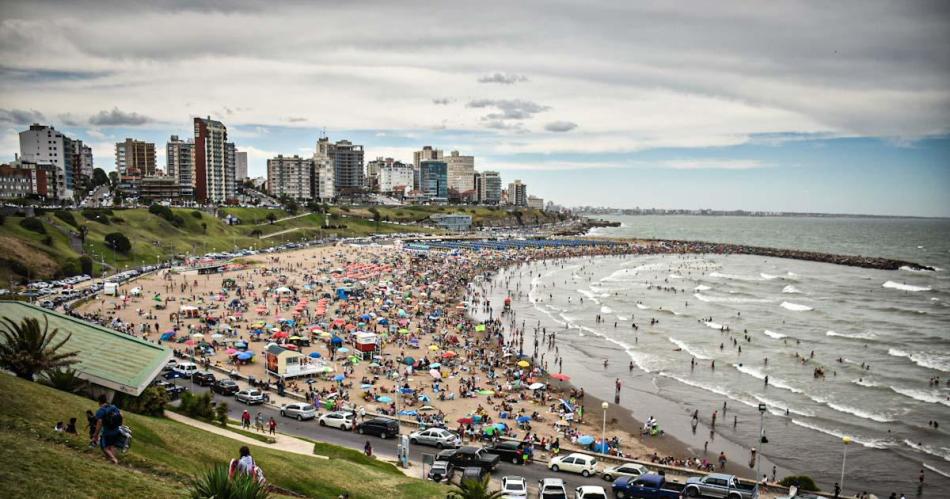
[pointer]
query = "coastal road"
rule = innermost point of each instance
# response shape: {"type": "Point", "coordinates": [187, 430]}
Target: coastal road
{"type": "Point", "coordinates": [386, 449]}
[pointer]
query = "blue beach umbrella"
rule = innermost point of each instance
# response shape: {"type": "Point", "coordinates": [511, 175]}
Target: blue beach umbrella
{"type": "Point", "coordinates": [409, 361]}
{"type": "Point", "coordinates": [523, 419]}
{"type": "Point", "coordinates": [384, 399]}
{"type": "Point", "coordinates": [339, 377]}
{"type": "Point", "coordinates": [585, 440]}
{"type": "Point", "coordinates": [601, 447]}
{"type": "Point", "coordinates": [342, 349]}
{"type": "Point", "coordinates": [245, 356]}
{"type": "Point", "coordinates": [315, 355]}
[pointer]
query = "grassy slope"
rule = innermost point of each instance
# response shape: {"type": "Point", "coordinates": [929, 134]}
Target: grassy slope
{"type": "Point", "coordinates": [164, 455]}
{"type": "Point", "coordinates": [153, 238]}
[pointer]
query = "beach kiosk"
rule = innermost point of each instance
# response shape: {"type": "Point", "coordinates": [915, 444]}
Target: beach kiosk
{"type": "Point", "coordinates": [287, 363]}
{"type": "Point", "coordinates": [367, 344]}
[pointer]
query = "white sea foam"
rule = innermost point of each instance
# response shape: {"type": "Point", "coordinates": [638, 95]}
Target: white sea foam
{"type": "Point", "coordinates": [735, 277]}
{"type": "Point", "coordinates": [675, 276]}
{"type": "Point", "coordinates": [874, 443]}
{"type": "Point", "coordinates": [622, 318]}
{"type": "Point", "coordinates": [755, 373]}
{"type": "Point", "coordinates": [769, 277]}
{"type": "Point", "coordinates": [924, 359]}
{"type": "Point", "coordinates": [688, 349]}
{"type": "Point", "coordinates": [904, 287]}
{"type": "Point", "coordinates": [794, 307]}
{"type": "Point", "coordinates": [606, 310]}
{"type": "Point", "coordinates": [642, 306]}
{"type": "Point", "coordinates": [941, 452]}
{"type": "Point", "coordinates": [861, 413]}
{"type": "Point", "coordinates": [778, 408]}
{"type": "Point", "coordinates": [728, 299]}
{"type": "Point", "coordinates": [790, 289]}
{"type": "Point", "coordinates": [589, 295]}
{"type": "Point", "coordinates": [772, 334]}
{"type": "Point", "coordinates": [867, 335]}
{"type": "Point", "coordinates": [715, 325]}
{"type": "Point", "coordinates": [863, 382]}
{"type": "Point", "coordinates": [937, 471]}
{"type": "Point", "coordinates": [931, 397]}
{"type": "Point", "coordinates": [702, 287]}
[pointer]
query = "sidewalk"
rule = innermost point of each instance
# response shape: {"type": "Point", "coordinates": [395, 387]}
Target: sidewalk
{"type": "Point", "coordinates": [284, 443]}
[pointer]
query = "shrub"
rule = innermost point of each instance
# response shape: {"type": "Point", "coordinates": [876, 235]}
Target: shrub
{"type": "Point", "coordinates": [3, 218]}
{"type": "Point", "coordinates": [196, 214]}
{"type": "Point", "coordinates": [69, 267]}
{"type": "Point", "coordinates": [150, 403]}
{"type": "Point", "coordinates": [63, 379]}
{"type": "Point", "coordinates": [803, 482]}
{"type": "Point", "coordinates": [97, 215]}
{"type": "Point", "coordinates": [66, 216]}
{"type": "Point", "coordinates": [167, 214]}
{"type": "Point", "coordinates": [215, 483]}
{"type": "Point", "coordinates": [197, 406]}
{"type": "Point", "coordinates": [118, 220]}
{"type": "Point", "coordinates": [33, 224]}
{"type": "Point", "coordinates": [16, 266]}
{"type": "Point", "coordinates": [118, 242]}
{"type": "Point", "coordinates": [85, 264]}
{"type": "Point", "coordinates": [221, 413]}
{"type": "Point", "coordinates": [48, 240]}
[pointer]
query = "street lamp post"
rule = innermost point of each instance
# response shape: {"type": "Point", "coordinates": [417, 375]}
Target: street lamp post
{"type": "Point", "coordinates": [846, 440]}
{"type": "Point", "coordinates": [762, 440]}
{"type": "Point", "coordinates": [603, 430]}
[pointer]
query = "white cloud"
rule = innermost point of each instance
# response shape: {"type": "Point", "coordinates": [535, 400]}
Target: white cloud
{"type": "Point", "coordinates": [714, 164]}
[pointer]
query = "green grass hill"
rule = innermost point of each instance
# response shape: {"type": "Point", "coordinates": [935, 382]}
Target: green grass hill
{"type": "Point", "coordinates": [165, 455]}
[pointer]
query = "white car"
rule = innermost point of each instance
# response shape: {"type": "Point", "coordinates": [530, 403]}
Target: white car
{"type": "Point", "coordinates": [250, 396]}
{"type": "Point", "coordinates": [551, 488]}
{"type": "Point", "coordinates": [514, 487]}
{"type": "Point", "coordinates": [185, 369]}
{"type": "Point", "coordinates": [299, 410]}
{"type": "Point", "coordinates": [337, 419]}
{"type": "Point", "coordinates": [625, 469]}
{"type": "Point", "coordinates": [590, 492]}
{"type": "Point", "coordinates": [574, 463]}
{"type": "Point", "coordinates": [438, 437]}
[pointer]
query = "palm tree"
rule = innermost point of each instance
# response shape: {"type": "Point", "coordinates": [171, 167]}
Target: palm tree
{"type": "Point", "coordinates": [26, 348]}
{"type": "Point", "coordinates": [215, 484]}
{"type": "Point", "coordinates": [64, 379]}
{"type": "Point", "coordinates": [473, 489]}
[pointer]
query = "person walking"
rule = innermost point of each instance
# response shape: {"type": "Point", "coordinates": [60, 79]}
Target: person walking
{"type": "Point", "coordinates": [722, 460]}
{"type": "Point", "coordinates": [246, 420]}
{"type": "Point", "coordinates": [368, 449]}
{"type": "Point", "coordinates": [272, 426]}
{"type": "Point", "coordinates": [259, 422]}
{"type": "Point", "coordinates": [107, 434]}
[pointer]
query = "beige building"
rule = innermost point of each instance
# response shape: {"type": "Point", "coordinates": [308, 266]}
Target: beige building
{"type": "Point", "coordinates": [290, 176]}
{"type": "Point", "coordinates": [461, 172]}
{"type": "Point", "coordinates": [517, 193]}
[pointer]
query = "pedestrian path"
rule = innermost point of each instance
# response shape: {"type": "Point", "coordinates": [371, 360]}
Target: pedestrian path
{"type": "Point", "coordinates": [284, 443]}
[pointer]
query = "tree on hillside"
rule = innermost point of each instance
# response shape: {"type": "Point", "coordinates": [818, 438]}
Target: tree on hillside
{"type": "Point", "coordinates": [99, 177]}
{"type": "Point", "coordinates": [118, 242]}
{"type": "Point", "coordinates": [26, 348]}
{"type": "Point", "coordinates": [473, 489]}
{"type": "Point", "coordinates": [114, 180]}
{"type": "Point", "coordinates": [271, 217]}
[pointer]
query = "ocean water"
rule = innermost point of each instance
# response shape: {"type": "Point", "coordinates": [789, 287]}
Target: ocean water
{"type": "Point", "coordinates": [879, 337]}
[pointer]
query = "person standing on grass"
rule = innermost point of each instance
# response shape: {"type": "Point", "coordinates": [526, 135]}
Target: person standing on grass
{"type": "Point", "coordinates": [108, 421]}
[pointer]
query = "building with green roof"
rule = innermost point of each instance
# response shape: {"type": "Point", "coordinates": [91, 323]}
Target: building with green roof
{"type": "Point", "coordinates": [106, 358]}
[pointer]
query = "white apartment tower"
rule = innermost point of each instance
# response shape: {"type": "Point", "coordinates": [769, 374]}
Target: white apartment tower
{"type": "Point", "coordinates": [461, 172]}
{"type": "Point", "coordinates": [44, 146]}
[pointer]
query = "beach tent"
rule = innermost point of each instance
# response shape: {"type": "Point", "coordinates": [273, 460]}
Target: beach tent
{"type": "Point", "coordinates": [585, 440]}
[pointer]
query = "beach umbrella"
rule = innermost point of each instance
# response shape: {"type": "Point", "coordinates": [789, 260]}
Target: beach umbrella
{"type": "Point", "coordinates": [342, 349]}
{"type": "Point", "coordinates": [486, 392]}
{"type": "Point", "coordinates": [339, 377]}
{"type": "Point", "coordinates": [449, 355]}
{"type": "Point", "coordinates": [561, 377]}
{"type": "Point", "coordinates": [315, 355]}
{"type": "Point", "coordinates": [567, 405]}
{"type": "Point", "coordinates": [245, 356]}
{"type": "Point", "coordinates": [336, 340]}
{"type": "Point", "coordinates": [426, 408]}
{"type": "Point", "coordinates": [523, 419]}
{"type": "Point", "coordinates": [535, 386]}
{"type": "Point", "coordinates": [435, 365]}
{"type": "Point", "coordinates": [231, 351]}
{"type": "Point", "coordinates": [409, 361]}
{"type": "Point", "coordinates": [489, 430]}
{"type": "Point", "coordinates": [523, 363]}
{"type": "Point", "coordinates": [601, 447]}
{"type": "Point", "coordinates": [435, 373]}
{"type": "Point", "coordinates": [501, 426]}
{"type": "Point", "coordinates": [217, 336]}
{"type": "Point", "coordinates": [281, 334]}
{"type": "Point", "coordinates": [190, 343]}
{"type": "Point", "coordinates": [433, 347]}
{"type": "Point", "coordinates": [585, 440]}
{"type": "Point", "coordinates": [480, 328]}
{"type": "Point", "coordinates": [198, 336]}
{"type": "Point", "coordinates": [465, 420]}
{"type": "Point", "coordinates": [384, 399]}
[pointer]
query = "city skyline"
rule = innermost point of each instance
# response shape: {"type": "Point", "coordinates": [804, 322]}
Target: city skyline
{"type": "Point", "coordinates": [783, 108]}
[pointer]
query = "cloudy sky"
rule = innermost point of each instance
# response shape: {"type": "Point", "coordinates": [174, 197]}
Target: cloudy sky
{"type": "Point", "coordinates": [796, 106]}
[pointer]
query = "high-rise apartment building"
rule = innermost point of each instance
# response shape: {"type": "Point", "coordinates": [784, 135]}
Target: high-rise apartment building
{"type": "Point", "coordinates": [180, 164]}
{"type": "Point", "coordinates": [488, 186]}
{"type": "Point", "coordinates": [517, 194]}
{"type": "Point", "coordinates": [425, 154]}
{"type": "Point", "coordinates": [290, 176]}
{"type": "Point", "coordinates": [240, 169]}
{"type": "Point", "coordinates": [395, 177]}
{"type": "Point", "coordinates": [323, 179]}
{"type": "Point", "coordinates": [433, 179]}
{"type": "Point", "coordinates": [49, 150]}
{"type": "Point", "coordinates": [461, 173]}
{"type": "Point", "coordinates": [134, 159]}
{"type": "Point", "coordinates": [347, 161]}
{"type": "Point", "coordinates": [214, 162]}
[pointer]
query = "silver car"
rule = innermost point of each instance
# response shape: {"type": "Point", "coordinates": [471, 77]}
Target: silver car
{"type": "Point", "coordinates": [298, 410]}
{"type": "Point", "coordinates": [250, 397]}
{"type": "Point", "coordinates": [437, 437]}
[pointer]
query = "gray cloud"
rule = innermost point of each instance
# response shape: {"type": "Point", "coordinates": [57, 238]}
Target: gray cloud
{"type": "Point", "coordinates": [442, 102]}
{"type": "Point", "coordinates": [514, 109]}
{"type": "Point", "coordinates": [560, 126]}
{"type": "Point", "coordinates": [503, 78]}
{"type": "Point", "coordinates": [21, 117]}
{"type": "Point", "coordinates": [68, 119]}
{"type": "Point", "coordinates": [118, 118]}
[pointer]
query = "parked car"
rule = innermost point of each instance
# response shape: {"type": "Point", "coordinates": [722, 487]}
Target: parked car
{"type": "Point", "coordinates": [469, 456]}
{"type": "Point", "coordinates": [590, 492]}
{"type": "Point", "coordinates": [203, 378]}
{"type": "Point", "coordinates": [437, 437]}
{"type": "Point", "coordinates": [551, 488]}
{"type": "Point", "coordinates": [720, 485]}
{"type": "Point", "coordinates": [624, 469]}
{"type": "Point", "coordinates": [225, 387]}
{"type": "Point", "coordinates": [250, 396]}
{"type": "Point", "coordinates": [507, 450]}
{"type": "Point", "coordinates": [337, 419]}
{"type": "Point", "coordinates": [173, 390]}
{"type": "Point", "coordinates": [299, 410]}
{"type": "Point", "coordinates": [185, 369]}
{"type": "Point", "coordinates": [514, 487]}
{"type": "Point", "coordinates": [647, 486]}
{"type": "Point", "coordinates": [440, 470]}
{"type": "Point", "coordinates": [381, 427]}
{"type": "Point", "coordinates": [474, 473]}
{"type": "Point", "coordinates": [574, 463]}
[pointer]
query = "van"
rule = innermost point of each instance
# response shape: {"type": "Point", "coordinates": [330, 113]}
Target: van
{"type": "Point", "coordinates": [186, 369]}
{"type": "Point", "coordinates": [110, 289]}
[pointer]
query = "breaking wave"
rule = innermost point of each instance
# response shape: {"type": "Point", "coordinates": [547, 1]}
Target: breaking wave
{"type": "Point", "coordinates": [922, 359]}
{"type": "Point", "coordinates": [688, 349]}
{"type": "Point", "coordinates": [904, 287]}
{"type": "Point", "coordinates": [874, 443]}
{"type": "Point", "coordinates": [772, 334]}
{"type": "Point", "coordinates": [794, 307]}
{"type": "Point", "coordinates": [790, 289]}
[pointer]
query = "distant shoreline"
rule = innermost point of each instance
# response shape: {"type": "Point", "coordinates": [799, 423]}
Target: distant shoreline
{"type": "Point", "coordinates": [754, 214]}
